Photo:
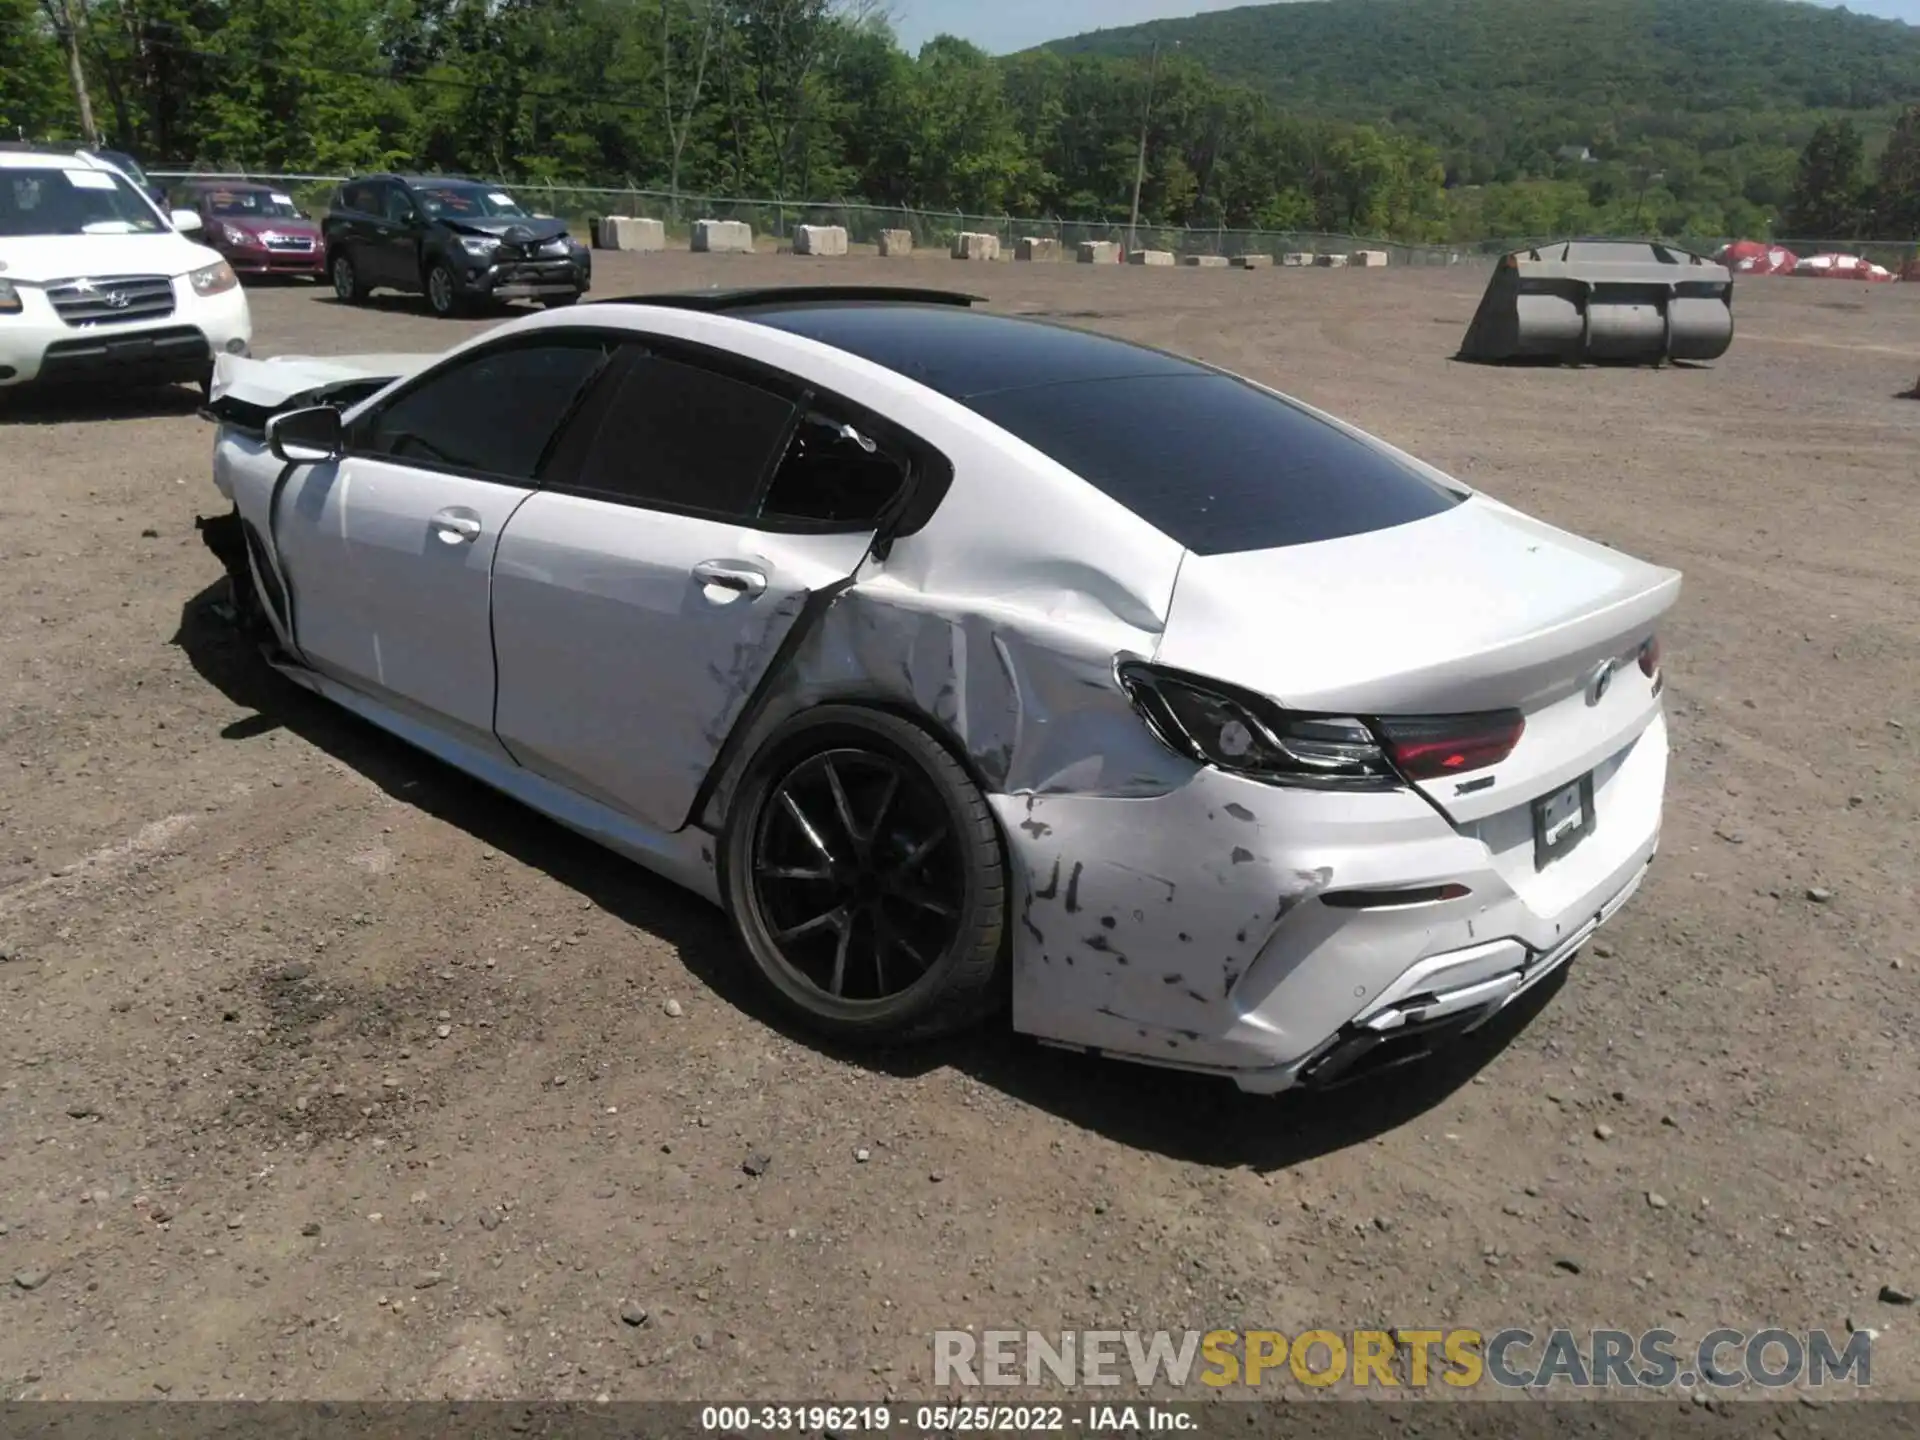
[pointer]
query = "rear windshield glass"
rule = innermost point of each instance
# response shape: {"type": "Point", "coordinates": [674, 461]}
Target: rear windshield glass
{"type": "Point", "coordinates": [1214, 463]}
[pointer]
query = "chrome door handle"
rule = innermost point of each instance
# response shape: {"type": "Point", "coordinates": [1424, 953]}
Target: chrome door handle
{"type": "Point", "coordinates": [731, 575]}
{"type": "Point", "coordinates": [456, 526]}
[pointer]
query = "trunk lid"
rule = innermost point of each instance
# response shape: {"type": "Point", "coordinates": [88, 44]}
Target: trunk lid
{"type": "Point", "coordinates": [1477, 609]}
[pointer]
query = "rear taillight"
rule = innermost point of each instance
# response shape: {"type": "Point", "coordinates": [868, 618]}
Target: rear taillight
{"type": "Point", "coordinates": [1432, 747]}
{"type": "Point", "coordinates": [1238, 731]}
{"type": "Point", "coordinates": [1246, 734]}
{"type": "Point", "coordinates": [1650, 661]}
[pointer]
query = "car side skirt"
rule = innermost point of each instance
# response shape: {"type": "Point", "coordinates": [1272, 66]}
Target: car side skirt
{"type": "Point", "coordinates": [685, 857]}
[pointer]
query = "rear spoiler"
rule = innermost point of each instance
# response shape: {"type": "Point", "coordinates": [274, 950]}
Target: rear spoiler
{"type": "Point", "coordinates": [246, 392]}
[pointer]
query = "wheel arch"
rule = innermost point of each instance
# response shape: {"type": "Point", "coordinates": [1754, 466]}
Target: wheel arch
{"type": "Point", "coordinates": [1023, 704]}
{"type": "Point", "coordinates": [767, 731]}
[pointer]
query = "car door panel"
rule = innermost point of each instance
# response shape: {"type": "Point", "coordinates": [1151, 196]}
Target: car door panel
{"type": "Point", "coordinates": [391, 566]}
{"type": "Point", "coordinates": [355, 229]}
{"type": "Point", "coordinates": [390, 237]}
{"type": "Point", "coordinates": [388, 552]}
{"type": "Point", "coordinates": [628, 641]}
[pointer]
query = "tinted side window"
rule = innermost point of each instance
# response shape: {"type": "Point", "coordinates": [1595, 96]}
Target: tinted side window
{"type": "Point", "coordinates": [359, 198]}
{"type": "Point", "coordinates": [398, 204]}
{"type": "Point", "coordinates": [684, 438]}
{"type": "Point", "coordinates": [491, 415]}
{"type": "Point", "coordinates": [833, 472]}
{"type": "Point", "coordinates": [1215, 463]}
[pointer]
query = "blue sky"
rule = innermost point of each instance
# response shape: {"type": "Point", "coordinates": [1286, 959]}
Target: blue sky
{"type": "Point", "coordinates": [1004, 25]}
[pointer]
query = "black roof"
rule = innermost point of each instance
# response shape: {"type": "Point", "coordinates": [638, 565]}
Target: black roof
{"type": "Point", "coordinates": [416, 179]}
{"type": "Point", "coordinates": [965, 353]}
{"type": "Point", "coordinates": [1208, 459]}
{"type": "Point", "coordinates": [725, 301]}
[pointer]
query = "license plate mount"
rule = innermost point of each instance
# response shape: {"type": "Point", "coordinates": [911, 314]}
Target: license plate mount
{"type": "Point", "coordinates": [1562, 820]}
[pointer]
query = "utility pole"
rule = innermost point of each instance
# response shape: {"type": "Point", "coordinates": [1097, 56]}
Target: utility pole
{"type": "Point", "coordinates": [1140, 164]}
{"type": "Point", "coordinates": [61, 12]}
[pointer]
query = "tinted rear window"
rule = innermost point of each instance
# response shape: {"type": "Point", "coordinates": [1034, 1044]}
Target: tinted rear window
{"type": "Point", "coordinates": [1214, 463]}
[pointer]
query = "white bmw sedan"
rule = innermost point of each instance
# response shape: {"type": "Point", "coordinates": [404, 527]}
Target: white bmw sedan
{"type": "Point", "coordinates": [966, 659]}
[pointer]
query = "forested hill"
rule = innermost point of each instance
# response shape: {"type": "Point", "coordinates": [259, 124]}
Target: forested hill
{"type": "Point", "coordinates": [1501, 85]}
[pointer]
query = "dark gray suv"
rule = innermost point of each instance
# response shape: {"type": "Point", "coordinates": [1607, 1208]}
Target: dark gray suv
{"type": "Point", "coordinates": [461, 243]}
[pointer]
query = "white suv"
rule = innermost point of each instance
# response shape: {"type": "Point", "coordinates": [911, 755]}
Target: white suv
{"type": "Point", "coordinates": [99, 285]}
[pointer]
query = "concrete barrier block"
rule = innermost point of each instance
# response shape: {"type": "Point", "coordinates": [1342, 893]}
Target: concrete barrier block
{"type": "Point", "coordinates": [1370, 259]}
{"type": "Point", "coordinates": [1298, 257]}
{"type": "Point", "coordinates": [1205, 262]}
{"type": "Point", "coordinates": [626, 232]}
{"type": "Point", "coordinates": [1330, 262]}
{"type": "Point", "coordinates": [1037, 247]}
{"type": "Point", "coordinates": [976, 245]}
{"type": "Point", "coordinates": [1252, 261]}
{"type": "Point", "coordinates": [1150, 257]}
{"type": "Point", "coordinates": [1099, 252]}
{"type": "Point", "coordinates": [819, 239]}
{"type": "Point", "coordinates": [896, 242]}
{"type": "Point", "coordinates": [722, 237]}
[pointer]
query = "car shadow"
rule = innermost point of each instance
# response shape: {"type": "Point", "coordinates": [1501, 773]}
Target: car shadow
{"type": "Point", "coordinates": [33, 406]}
{"type": "Point", "coordinates": [389, 303]}
{"type": "Point", "coordinates": [392, 304]}
{"type": "Point", "coordinates": [1202, 1120]}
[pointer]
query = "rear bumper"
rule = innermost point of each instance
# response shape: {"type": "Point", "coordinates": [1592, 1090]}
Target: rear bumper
{"type": "Point", "coordinates": [1438, 1001]}
{"type": "Point", "coordinates": [1190, 929]}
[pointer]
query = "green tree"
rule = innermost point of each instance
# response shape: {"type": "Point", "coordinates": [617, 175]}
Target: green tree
{"type": "Point", "coordinates": [962, 149]}
{"type": "Point", "coordinates": [1825, 203]}
{"type": "Point", "coordinates": [1897, 208]}
{"type": "Point", "coordinates": [34, 97]}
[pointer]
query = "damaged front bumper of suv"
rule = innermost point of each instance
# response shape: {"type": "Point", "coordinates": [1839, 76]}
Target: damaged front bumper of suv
{"type": "Point", "coordinates": [508, 272]}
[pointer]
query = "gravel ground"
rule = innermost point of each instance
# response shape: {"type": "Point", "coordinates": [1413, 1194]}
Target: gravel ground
{"type": "Point", "coordinates": [328, 1074]}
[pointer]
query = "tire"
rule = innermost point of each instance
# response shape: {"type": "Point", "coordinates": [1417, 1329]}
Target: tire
{"type": "Point", "coordinates": [920, 947]}
{"type": "Point", "coordinates": [560, 302]}
{"type": "Point", "coordinates": [347, 288]}
{"type": "Point", "coordinates": [443, 292]}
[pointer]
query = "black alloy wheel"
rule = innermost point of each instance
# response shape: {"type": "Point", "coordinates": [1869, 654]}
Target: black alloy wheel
{"type": "Point", "coordinates": [865, 874]}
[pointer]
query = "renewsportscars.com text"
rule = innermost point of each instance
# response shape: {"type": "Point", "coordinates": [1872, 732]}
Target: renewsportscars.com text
{"type": "Point", "coordinates": [1404, 1358]}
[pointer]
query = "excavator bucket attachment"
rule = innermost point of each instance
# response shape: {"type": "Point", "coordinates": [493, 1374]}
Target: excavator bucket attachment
{"type": "Point", "coordinates": [1636, 301]}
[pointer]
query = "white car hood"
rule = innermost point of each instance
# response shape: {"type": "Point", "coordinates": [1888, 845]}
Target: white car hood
{"type": "Point", "coordinates": [39, 259]}
{"type": "Point", "coordinates": [270, 383]}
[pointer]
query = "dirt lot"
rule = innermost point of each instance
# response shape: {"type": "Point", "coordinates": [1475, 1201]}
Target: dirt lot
{"type": "Point", "coordinates": [327, 1074]}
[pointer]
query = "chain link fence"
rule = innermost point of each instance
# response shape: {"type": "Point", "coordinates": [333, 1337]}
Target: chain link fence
{"type": "Point", "coordinates": [774, 220]}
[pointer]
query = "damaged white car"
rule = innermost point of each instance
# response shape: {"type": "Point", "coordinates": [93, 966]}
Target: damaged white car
{"type": "Point", "coordinates": [965, 657]}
